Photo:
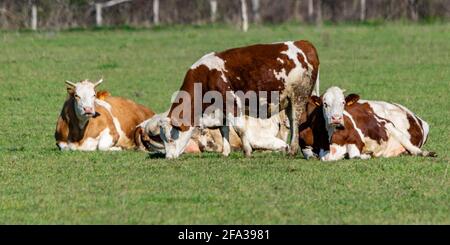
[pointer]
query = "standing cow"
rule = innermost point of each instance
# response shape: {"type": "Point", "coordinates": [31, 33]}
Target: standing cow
{"type": "Point", "coordinates": [337, 126]}
{"type": "Point", "coordinates": [289, 68]}
{"type": "Point", "coordinates": [89, 121]}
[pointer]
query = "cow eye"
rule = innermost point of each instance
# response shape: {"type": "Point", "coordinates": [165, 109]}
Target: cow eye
{"type": "Point", "coordinates": [325, 104]}
{"type": "Point", "coordinates": [76, 96]}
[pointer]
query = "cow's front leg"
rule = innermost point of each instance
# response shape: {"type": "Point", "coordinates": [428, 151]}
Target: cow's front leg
{"type": "Point", "coordinates": [225, 132]}
{"type": "Point", "coordinates": [308, 153]}
{"type": "Point", "coordinates": [337, 152]}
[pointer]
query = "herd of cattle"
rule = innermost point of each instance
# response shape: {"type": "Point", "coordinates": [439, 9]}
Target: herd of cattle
{"type": "Point", "coordinates": [329, 127]}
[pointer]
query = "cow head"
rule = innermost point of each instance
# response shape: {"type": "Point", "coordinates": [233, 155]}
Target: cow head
{"type": "Point", "coordinates": [333, 103]}
{"type": "Point", "coordinates": [84, 98]}
{"type": "Point", "coordinates": [175, 138]}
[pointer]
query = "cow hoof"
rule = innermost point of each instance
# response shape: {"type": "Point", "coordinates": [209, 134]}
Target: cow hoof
{"type": "Point", "coordinates": [429, 154]}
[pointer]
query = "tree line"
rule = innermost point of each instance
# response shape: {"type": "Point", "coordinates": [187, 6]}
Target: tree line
{"type": "Point", "coordinates": [63, 14]}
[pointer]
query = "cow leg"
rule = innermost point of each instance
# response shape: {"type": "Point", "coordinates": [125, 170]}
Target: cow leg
{"type": "Point", "coordinates": [308, 153]}
{"type": "Point", "coordinates": [294, 144]}
{"type": "Point", "coordinates": [337, 152]}
{"type": "Point", "coordinates": [301, 92]}
{"type": "Point", "coordinates": [404, 141]}
{"type": "Point", "coordinates": [225, 132]}
{"type": "Point", "coordinates": [270, 143]}
{"type": "Point", "coordinates": [354, 152]}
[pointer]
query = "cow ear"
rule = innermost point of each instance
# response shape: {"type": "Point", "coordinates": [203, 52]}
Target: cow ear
{"type": "Point", "coordinates": [179, 125]}
{"type": "Point", "coordinates": [316, 100]}
{"type": "Point", "coordinates": [70, 90]}
{"type": "Point", "coordinates": [351, 99]}
{"type": "Point", "coordinates": [70, 87]}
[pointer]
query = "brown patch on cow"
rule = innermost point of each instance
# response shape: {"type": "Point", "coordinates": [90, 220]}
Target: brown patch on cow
{"type": "Point", "coordinates": [312, 130]}
{"type": "Point", "coordinates": [311, 55]}
{"type": "Point", "coordinates": [129, 114]}
{"type": "Point", "coordinates": [347, 135]}
{"type": "Point", "coordinates": [366, 120]}
{"type": "Point", "coordinates": [415, 130]}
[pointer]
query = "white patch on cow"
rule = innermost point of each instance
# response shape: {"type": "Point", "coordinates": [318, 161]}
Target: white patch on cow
{"type": "Point", "coordinates": [280, 60]}
{"type": "Point", "coordinates": [212, 119]}
{"type": "Point", "coordinates": [105, 141]}
{"type": "Point", "coordinates": [223, 77]}
{"type": "Point", "coordinates": [89, 144]}
{"type": "Point", "coordinates": [63, 146]}
{"type": "Point", "coordinates": [337, 152]}
{"type": "Point", "coordinates": [417, 119]}
{"type": "Point", "coordinates": [391, 112]}
{"type": "Point", "coordinates": [280, 75]}
{"type": "Point", "coordinates": [238, 78]}
{"type": "Point", "coordinates": [358, 130]}
{"type": "Point", "coordinates": [316, 90]}
{"type": "Point", "coordinates": [292, 54]}
{"type": "Point", "coordinates": [353, 151]}
{"type": "Point", "coordinates": [107, 106]}
{"type": "Point", "coordinates": [211, 61]}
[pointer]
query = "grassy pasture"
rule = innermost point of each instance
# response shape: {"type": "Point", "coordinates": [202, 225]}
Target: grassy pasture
{"type": "Point", "coordinates": [407, 64]}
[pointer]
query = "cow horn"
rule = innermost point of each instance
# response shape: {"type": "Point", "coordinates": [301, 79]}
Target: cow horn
{"type": "Point", "coordinates": [71, 84]}
{"type": "Point", "coordinates": [99, 82]}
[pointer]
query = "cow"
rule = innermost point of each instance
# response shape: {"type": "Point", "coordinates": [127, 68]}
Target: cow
{"type": "Point", "coordinates": [91, 120]}
{"type": "Point", "coordinates": [263, 134]}
{"type": "Point", "coordinates": [290, 69]}
{"type": "Point", "coordinates": [337, 126]}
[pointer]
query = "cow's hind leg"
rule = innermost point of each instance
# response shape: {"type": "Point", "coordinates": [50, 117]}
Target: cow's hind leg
{"type": "Point", "coordinates": [405, 142]}
{"type": "Point", "coordinates": [298, 99]}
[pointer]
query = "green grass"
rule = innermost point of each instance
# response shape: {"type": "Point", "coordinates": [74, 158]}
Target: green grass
{"type": "Point", "coordinates": [407, 64]}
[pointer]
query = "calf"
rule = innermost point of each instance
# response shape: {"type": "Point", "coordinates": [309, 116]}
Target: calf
{"type": "Point", "coordinates": [89, 121]}
{"type": "Point", "coordinates": [288, 68]}
{"type": "Point", "coordinates": [337, 126]}
{"type": "Point", "coordinates": [263, 134]}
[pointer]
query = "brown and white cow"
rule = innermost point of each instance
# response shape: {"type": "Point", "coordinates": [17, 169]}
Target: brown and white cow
{"type": "Point", "coordinates": [337, 126]}
{"type": "Point", "coordinates": [289, 68]}
{"type": "Point", "coordinates": [89, 121]}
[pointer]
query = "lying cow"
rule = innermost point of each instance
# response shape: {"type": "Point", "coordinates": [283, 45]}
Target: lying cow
{"type": "Point", "coordinates": [89, 121]}
{"type": "Point", "coordinates": [264, 134]}
{"type": "Point", "coordinates": [288, 68]}
{"type": "Point", "coordinates": [337, 126]}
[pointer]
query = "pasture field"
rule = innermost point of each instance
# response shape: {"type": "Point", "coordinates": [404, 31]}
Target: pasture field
{"type": "Point", "coordinates": [407, 64]}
